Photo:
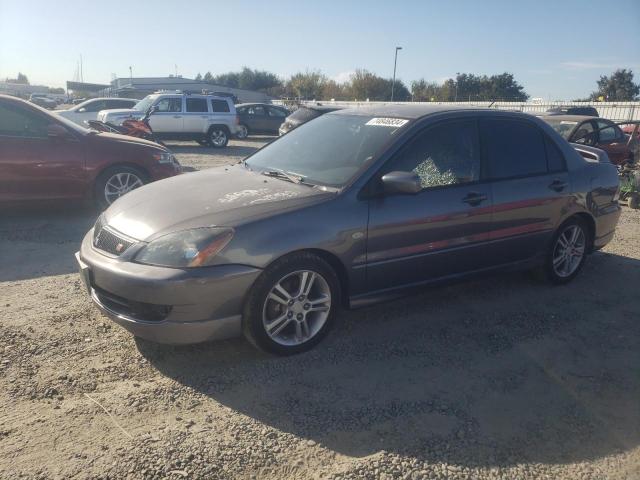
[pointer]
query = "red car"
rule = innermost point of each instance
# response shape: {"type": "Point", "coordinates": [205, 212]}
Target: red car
{"type": "Point", "coordinates": [44, 157]}
{"type": "Point", "coordinates": [595, 132]}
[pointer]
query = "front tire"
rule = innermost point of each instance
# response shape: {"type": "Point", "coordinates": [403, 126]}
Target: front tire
{"type": "Point", "coordinates": [218, 137]}
{"type": "Point", "coordinates": [292, 305]}
{"type": "Point", "coordinates": [243, 132]}
{"type": "Point", "coordinates": [567, 251]}
{"type": "Point", "coordinates": [115, 182]}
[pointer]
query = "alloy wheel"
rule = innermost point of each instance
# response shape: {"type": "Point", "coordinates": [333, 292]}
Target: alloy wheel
{"type": "Point", "coordinates": [569, 251]}
{"type": "Point", "coordinates": [218, 138]}
{"type": "Point", "coordinates": [296, 308]}
{"type": "Point", "coordinates": [119, 184]}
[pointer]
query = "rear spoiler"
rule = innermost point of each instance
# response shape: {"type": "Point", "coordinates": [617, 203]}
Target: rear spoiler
{"type": "Point", "coordinates": [591, 154]}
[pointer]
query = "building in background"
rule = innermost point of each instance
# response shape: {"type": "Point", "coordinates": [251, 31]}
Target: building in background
{"type": "Point", "coordinates": [139, 87]}
{"type": "Point", "coordinates": [22, 90]}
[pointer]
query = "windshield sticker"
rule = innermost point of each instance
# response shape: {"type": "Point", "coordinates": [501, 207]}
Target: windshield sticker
{"type": "Point", "coordinates": [566, 122]}
{"type": "Point", "coordinates": [387, 122]}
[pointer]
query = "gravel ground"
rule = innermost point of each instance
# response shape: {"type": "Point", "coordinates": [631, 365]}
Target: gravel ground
{"type": "Point", "coordinates": [501, 378]}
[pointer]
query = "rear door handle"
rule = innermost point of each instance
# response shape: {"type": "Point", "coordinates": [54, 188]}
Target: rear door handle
{"type": "Point", "coordinates": [558, 185]}
{"type": "Point", "coordinates": [474, 198]}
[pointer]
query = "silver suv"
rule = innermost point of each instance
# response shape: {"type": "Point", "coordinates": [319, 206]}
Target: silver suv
{"type": "Point", "coordinates": [207, 119]}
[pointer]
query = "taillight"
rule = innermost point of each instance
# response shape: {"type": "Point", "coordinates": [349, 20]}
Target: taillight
{"type": "Point", "coordinates": [237, 120]}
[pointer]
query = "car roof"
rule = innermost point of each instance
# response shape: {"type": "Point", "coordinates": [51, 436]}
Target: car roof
{"type": "Point", "coordinates": [569, 118]}
{"type": "Point", "coordinates": [407, 111]}
{"type": "Point", "coordinates": [260, 104]}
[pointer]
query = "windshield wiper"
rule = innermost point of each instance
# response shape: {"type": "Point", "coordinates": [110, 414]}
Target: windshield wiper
{"type": "Point", "coordinates": [284, 175]}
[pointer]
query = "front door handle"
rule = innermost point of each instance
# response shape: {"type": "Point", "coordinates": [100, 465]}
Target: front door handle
{"type": "Point", "coordinates": [474, 198]}
{"type": "Point", "coordinates": [558, 185]}
{"type": "Point", "coordinates": [177, 116]}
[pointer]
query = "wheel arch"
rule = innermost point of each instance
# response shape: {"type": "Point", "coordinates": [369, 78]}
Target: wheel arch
{"type": "Point", "coordinates": [334, 262]}
{"type": "Point", "coordinates": [218, 125]}
{"type": "Point", "coordinates": [589, 222]}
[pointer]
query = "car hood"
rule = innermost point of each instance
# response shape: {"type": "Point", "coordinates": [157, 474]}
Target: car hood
{"type": "Point", "coordinates": [104, 140]}
{"type": "Point", "coordinates": [120, 112]}
{"type": "Point", "coordinates": [222, 196]}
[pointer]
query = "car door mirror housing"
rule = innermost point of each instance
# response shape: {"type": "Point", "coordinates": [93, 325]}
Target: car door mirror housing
{"type": "Point", "coordinates": [401, 183]}
{"type": "Point", "coordinates": [57, 131]}
{"type": "Point", "coordinates": [82, 110]}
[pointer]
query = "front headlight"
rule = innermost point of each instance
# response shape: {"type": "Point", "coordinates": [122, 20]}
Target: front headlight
{"type": "Point", "coordinates": [188, 248]}
{"type": "Point", "coordinates": [164, 157]}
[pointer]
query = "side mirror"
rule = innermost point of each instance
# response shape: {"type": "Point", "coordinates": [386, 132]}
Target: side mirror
{"type": "Point", "coordinates": [153, 109]}
{"type": "Point", "coordinates": [57, 131]}
{"type": "Point", "coordinates": [401, 182]}
{"type": "Point", "coordinates": [82, 110]}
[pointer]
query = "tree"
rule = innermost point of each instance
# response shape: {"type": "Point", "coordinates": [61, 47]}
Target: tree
{"type": "Point", "coordinates": [366, 85]}
{"type": "Point", "coordinates": [423, 91]}
{"type": "Point", "coordinates": [208, 77]}
{"type": "Point", "coordinates": [307, 85]}
{"type": "Point", "coordinates": [198, 77]}
{"type": "Point", "coordinates": [21, 78]}
{"type": "Point", "coordinates": [618, 87]}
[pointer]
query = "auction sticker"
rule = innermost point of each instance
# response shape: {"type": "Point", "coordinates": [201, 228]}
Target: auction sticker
{"type": "Point", "coordinates": [387, 122]}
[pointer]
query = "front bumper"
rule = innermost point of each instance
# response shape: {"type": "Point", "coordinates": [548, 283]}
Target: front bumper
{"type": "Point", "coordinates": [166, 305]}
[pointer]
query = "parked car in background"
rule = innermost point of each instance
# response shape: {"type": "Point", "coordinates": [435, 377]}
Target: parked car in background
{"type": "Point", "coordinates": [303, 114]}
{"type": "Point", "coordinates": [43, 101]}
{"type": "Point", "coordinates": [207, 119]}
{"type": "Point", "coordinates": [574, 110]}
{"type": "Point", "coordinates": [45, 157]}
{"type": "Point", "coordinates": [595, 132]}
{"type": "Point", "coordinates": [357, 206]}
{"type": "Point", "coordinates": [88, 110]}
{"type": "Point", "coordinates": [259, 118]}
{"type": "Point", "coordinates": [76, 101]}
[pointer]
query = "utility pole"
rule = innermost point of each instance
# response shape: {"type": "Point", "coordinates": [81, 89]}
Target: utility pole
{"type": "Point", "coordinates": [395, 62]}
{"type": "Point", "coordinates": [131, 76]}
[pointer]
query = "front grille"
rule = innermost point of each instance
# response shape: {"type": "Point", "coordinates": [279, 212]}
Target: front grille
{"type": "Point", "coordinates": [146, 312]}
{"type": "Point", "coordinates": [108, 241]}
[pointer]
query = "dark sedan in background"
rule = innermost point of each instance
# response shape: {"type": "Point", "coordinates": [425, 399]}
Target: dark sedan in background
{"type": "Point", "coordinates": [44, 157]}
{"type": "Point", "coordinates": [304, 114]}
{"type": "Point", "coordinates": [259, 118]}
{"type": "Point", "coordinates": [595, 132]}
{"type": "Point", "coordinates": [355, 207]}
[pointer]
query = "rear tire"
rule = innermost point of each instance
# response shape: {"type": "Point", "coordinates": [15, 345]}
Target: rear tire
{"type": "Point", "coordinates": [115, 182]}
{"type": "Point", "coordinates": [292, 305]}
{"type": "Point", "coordinates": [567, 251]}
{"type": "Point", "coordinates": [218, 137]}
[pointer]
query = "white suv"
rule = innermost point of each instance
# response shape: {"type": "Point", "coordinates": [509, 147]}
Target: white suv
{"type": "Point", "coordinates": [207, 119]}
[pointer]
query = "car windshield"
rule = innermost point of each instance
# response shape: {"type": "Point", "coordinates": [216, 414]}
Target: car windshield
{"type": "Point", "coordinates": [144, 104]}
{"type": "Point", "coordinates": [563, 127]}
{"type": "Point", "coordinates": [328, 150]}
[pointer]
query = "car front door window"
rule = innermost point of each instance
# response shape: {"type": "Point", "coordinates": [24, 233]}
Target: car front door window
{"type": "Point", "coordinates": [607, 132]}
{"type": "Point", "coordinates": [169, 105]}
{"type": "Point", "coordinates": [584, 134]}
{"type": "Point", "coordinates": [444, 155]}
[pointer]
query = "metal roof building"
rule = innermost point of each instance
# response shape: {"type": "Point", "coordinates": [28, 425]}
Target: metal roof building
{"type": "Point", "coordinates": [139, 87]}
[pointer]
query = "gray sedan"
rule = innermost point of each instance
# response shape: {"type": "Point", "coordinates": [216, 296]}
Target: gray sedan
{"type": "Point", "coordinates": [354, 207]}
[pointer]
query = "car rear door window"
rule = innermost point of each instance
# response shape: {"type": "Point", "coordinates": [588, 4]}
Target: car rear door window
{"type": "Point", "coordinates": [171, 104]}
{"type": "Point", "coordinates": [446, 154]}
{"type": "Point", "coordinates": [197, 105]}
{"type": "Point", "coordinates": [555, 158]}
{"type": "Point", "coordinates": [17, 123]}
{"type": "Point", "coordinates": [513, 148]}
{"type": "Point", "coordinates": [607, 131]}
{"type": "Point", "coordinates": [220, 106]}
{"type": "Point", "coordinates": [96, 106]}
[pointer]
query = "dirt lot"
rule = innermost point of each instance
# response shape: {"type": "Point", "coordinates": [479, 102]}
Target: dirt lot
{"type": "Point", "coordinates": [501, 378]}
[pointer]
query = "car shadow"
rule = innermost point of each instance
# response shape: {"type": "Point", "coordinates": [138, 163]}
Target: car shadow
{"type": "Point", "coordinates": [41, 240]}
{"type": "Point", "coordinates": [494, 372]}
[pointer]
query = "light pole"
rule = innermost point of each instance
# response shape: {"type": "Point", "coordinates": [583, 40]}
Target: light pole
{"type": "Point", "coordinates": [395, 62]}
